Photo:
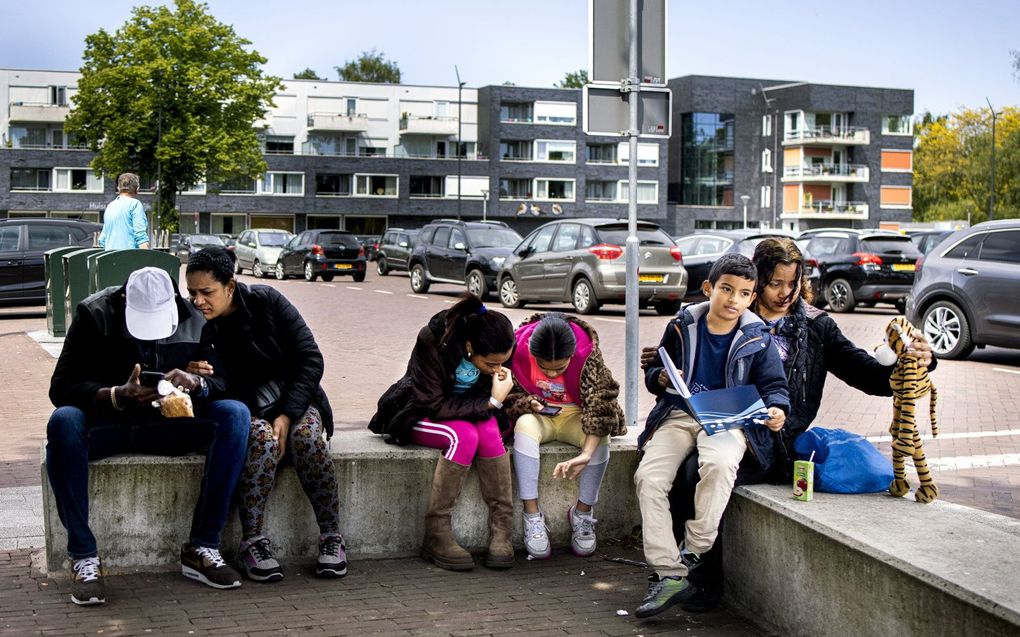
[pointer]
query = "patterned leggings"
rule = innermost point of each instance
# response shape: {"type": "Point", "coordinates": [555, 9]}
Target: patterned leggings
{"type": "Point", "coordinates": [307, 449]}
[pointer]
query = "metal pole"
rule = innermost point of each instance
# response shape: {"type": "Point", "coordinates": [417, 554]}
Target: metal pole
{"type": "Point", "coordinates": [631, 315]}
{"type": "Point", "coordinates": [485, 203]}
{"type": "Point", "coordinates": [159, 163]}
{"type": "Point", "coordinates": [991, 188]}
{"type": "Point", "coordinates": [460, 87]}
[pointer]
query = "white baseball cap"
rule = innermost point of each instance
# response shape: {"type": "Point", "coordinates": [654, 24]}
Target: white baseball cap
{"type": "Point", "coordinates": [151, 305]}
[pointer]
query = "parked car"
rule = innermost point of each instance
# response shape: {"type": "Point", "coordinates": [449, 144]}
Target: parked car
{"type": "Point", "coordinates": [966, 292]}
{"type": "Point", "coordinates": [747, 245]}
{"type": "Point", "coordinates": [394, 250]}
{"type": "Point", "coordinates": [189, 244]}
{"type": "Point", "coordinates": [258, 250]}
{"type": "Point", "coordinates": [700, 250]}
{"type": "Point", "coordinates": [926, 240]}
{"type": "Point", "coordinates": [582, 261]}
{"type": "Point", "coordinates": [468, 253]}
{"type": "Point", "coordinates": [22, 244]}
{"type": "Point", "coordinates": [371, 244]}
{"type": "Point", "coordinates": [862, 266]}
{"type": "Point", "coordinates": [325, 253]}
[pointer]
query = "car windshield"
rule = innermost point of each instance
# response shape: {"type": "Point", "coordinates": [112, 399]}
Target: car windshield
{"type": "Point", "coordinates": [205, 240]}
{"type": "Point", "coordinates": [891, 245]}
{"type": "Point", "coordinates": [648, 236]}
{"type": "Point", "coordinates": [337, 239]}
{"type": "Point", "coordinates": [274, 239]}
{"type": "Point", "coordinates": [494, 237]}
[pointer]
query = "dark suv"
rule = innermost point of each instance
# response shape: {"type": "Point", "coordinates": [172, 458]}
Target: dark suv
{"type": "Point", "coordinates": [394, 249]}
{"type": "Point", "coordinates": [325, 253]}
{"type": "Point", "coordinates": [467, 253]}
{"type": "Point", "coordinates": [22, 244]}
{"type": "Point", "coordinates": [967, 290]}
{"type": "Point", "coordinates": [861, 266]}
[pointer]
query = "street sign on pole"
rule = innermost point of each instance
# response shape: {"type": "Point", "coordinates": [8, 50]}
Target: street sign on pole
{"type": "Point", "coordinates": [607, 111]}
{"type": "Point", "coordinates": [609, 45]}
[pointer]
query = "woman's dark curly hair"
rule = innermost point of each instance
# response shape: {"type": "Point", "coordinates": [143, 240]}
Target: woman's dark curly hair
{"type": "Point", "coordinates": [775, 251]}
{"type": "Point", "coordinates": [217, 261]}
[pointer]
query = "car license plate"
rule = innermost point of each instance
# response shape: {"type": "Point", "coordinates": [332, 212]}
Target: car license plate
{"type": "Point", "coordinates": [904, 267]}
{"type": "Point", "coordinates": [651, 278]}
{"type": "Point", "coordinates": [341, 266]}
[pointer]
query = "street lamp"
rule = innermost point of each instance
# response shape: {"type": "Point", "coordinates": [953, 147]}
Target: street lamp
{"type": "Point", "coordinates": [745, 199]}
{"type": "Point", "coordinates": [991, 194]}
{"type": "Point", "coordinates": [485, 202]}
{"type": "Point", "coordinates": [460, 150]}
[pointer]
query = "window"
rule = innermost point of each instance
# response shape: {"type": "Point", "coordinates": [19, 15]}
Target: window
{"type": "Point", "coordinates": [897, 161]}
{"type": "Point", "coordinates": [566, 238]}
{"type": "Point", "coordinates": [274, 183]}
{"type": "Point", "coordinates": [600, 190]}
{"type": "Point", "coordinates": [897, 125]}
{"type": "Point", "coordinates": [588, 238]}
{"type": "Point", "coordinates": [30, 179]}
{"type": "Point", "coordinates": [515, 112]}
{"type": "Point", "coordinates": [647, 154]}
{"type": "Point", "coordinates": [456, 238]}
{"type": "Point", "coordinates": [966, 249]}
{"type": "Point", "coordinates": [515, 189]}
{"type": "Point", "coordinates": [707, 159]}
{"type": "Point", "coordinates": [376, 185]}
{"type": "Point", "coordinates": [426, 186]}
{"type": "Point", "coordinates": [442, 238]}
{"type": "Point", "coordinates": [562, 113]}
{"type": "Point", "coordinates": [442, 109]}
{"type": "Point", "coordinates": [197, 189]}
{"type": "Point", "coordinates": [9, 238]}
{"type": "Point", "coordinates": [603, 153]}
{"type": "Point", "coordinates": [515, 150]}
{"type": "Point", "coordinates": [1001, 246]}
{"type": "Point", "coordinates": [766, 125]}
{"type": "Point", "coordinates": [76, 180]}
{"type": "Point", "coordinates": [351, 106]}
{"type": "Point", "coordinates": [895, 196]}
{"type": "Point", "coordinates": [27, 136]}
{"type": "Point", "coordinates": [793, 120]}
{"type": "Point", "coordinates": [472, 187]}
{"type": "Point", "coordinates": [279, 145]}
{"type": "Point", "coordinates": [554, 189]}
{"type": "Point", "coordinates": [332, 185]}
{"type": "Point", "coordinates": [766, 161]}
{"type": "Point", "coordinates": [647, 191]}
{"type": "Point", "coordinates": [555, 151]}
{"type": "Point", "coordinates": [543, 239]}
{"type": "Point", "coordinates": [47, 237]}
{"type": "Point", "coordinates": [58, 96]}
{"type": "Point", "coordinates": [766, 196]}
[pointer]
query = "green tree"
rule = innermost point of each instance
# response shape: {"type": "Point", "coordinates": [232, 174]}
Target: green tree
{"type": "Point", "coordinates": [370, 66]}
{"type": "Point", "coordinates": [574, 79]}
{"type": "Point", "coordinates": [307, 74]}
{"type": "Point", "coordinates": [172, 93]}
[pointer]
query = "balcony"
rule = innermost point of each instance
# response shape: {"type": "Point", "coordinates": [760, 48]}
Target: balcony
{"type": "Point", "coordinates": [827, 209]}
{"type": "Point", "coordinates": [827, 136]}
{"type": "Point", "coordinates": [827, 173]}
{"type": "Point", "coordinates": [338, 122]}
{"type": "Point", "coordinates": [415, 125]}
{"type": "Point", "coordinates": [38, 113]}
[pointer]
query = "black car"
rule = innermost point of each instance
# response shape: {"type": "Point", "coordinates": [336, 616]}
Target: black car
{"type": "Point", "coordinates": [926, 240]}
{"type": "Point", "coordinates": [394, 250]}
{"type": "Point", "coordinates": [700, 250]}
{"type": "Point", "coordinates": [189, 244]}
{"type": "Point", "coordinates": [325, 253]}
{"type": "Point", "coordinates": [467, 253]}
{"type": "Point", "coordinates": [862, 266]}
{"type": "Point", "coordinates": [371, 244]}
{"type": "Point", "coordinates": [22, 244]}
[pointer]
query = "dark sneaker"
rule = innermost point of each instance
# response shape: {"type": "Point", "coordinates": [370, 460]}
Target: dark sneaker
{"type": "Point", "coordinates": [663, 592]}
{"type": "Point", "coordinates": [690, 560]}
{"type": "Point", "coordinates": [207, 566]}
{"type": "Point", "coordinates": [257, 561]}
{"type": "Point", "coordinates": [332, 556]}
{"type": "Point", "coordinates": [705, 599]}
{"type": "Point", "coordinates": [87, 586]}
{"type": "Point", "coordinates": [582, 532]}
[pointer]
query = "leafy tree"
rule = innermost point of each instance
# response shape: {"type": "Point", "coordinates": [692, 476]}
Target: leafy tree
{"type": "Point", "coordinates": [307, 74]}
{"type": "Point", "coordinates": [574, 79]}
{"type": "Point", "coordinates": [371, 66]}
{"type": "Point", "coordinates": [172, 92]}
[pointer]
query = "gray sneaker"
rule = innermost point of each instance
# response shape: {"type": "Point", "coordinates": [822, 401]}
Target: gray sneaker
{"type": "Point", "coordinates": [257, 561]}
{"type": "Point", "coordinates": [663, 592]}
{"type": "Point", "coordinates": [536, 537]}
{"type": "Point", "coordinates": [582, 532]}
{"type": "Point", "coordinates": [332, 556]}
{"type": "Point", "coordinates": [87, 586]}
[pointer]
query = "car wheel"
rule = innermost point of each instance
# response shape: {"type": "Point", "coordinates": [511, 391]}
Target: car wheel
{"type": "Point", "coordinates": [947, 329]}
{"type": "Point", "coordinates": [310, 274]}
{"type": "Point", "coordinates": [419, 282]}
{"type": "Point", "coordinates": [256, 270]}
{"type": "Point", "coordinates": [380, 267]}
{"type": "Point", "coordinates": [358, 276]}
{"type": "Point", "coordinates": [508, 294]}
{"type": "Point", "coordinates": [237, 266]}
{"type": "Point", "coordinates": [840, 296]}
{"type": "Point", "coordinates": [667, 308]}
{"type": "Point", "coordinates": [476, 284]}
{"type": "Point", "coordinates": [327, 277]}
{"type": "Point", "coordinates": [280, 274]}
{"type": "Point", "coordinates": [583, 297]}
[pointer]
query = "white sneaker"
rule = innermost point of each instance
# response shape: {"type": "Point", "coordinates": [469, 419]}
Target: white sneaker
{"type": "Point", "coordinates": [582, 532]}
{"type": "Point", "coordinates": [536, 537]}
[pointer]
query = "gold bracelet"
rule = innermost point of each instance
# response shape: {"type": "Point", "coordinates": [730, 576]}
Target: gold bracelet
{"type": "Point", "coordinates": [113, 399]}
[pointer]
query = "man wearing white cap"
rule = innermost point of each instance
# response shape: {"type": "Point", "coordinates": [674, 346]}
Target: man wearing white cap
{"type": "Point", "coordinates": [103, 409]}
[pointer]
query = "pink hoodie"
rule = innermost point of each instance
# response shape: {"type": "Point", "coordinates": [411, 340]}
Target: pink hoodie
{"type": "Point", "coordinates": [521, 363]}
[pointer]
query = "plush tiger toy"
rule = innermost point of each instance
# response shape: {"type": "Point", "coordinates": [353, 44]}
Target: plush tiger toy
{"type": "Point", "coordinates": [909, 382]}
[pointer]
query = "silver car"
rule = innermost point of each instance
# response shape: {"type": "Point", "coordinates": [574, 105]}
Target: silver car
{"type": "Point", "coordinates": [966, 292]}
{"type": "Point", "coordinates": [582, 261]}
{"type": "Point", "coordinates": [258, 250]}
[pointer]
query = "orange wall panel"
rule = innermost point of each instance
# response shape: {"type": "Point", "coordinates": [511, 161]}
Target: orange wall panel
{"type": "Point", "coordinates": [818, 152]}
{"type": "Point", "coordinates": [818, 192]}
{"type": "Point", "coordinates": [897, 160]}
{"type": "Point", "coordinates": [791, 198]}
{"type": "Point", "coordinates": [895, 196]}
{"type": "Point", "coordinates": [791, 156]}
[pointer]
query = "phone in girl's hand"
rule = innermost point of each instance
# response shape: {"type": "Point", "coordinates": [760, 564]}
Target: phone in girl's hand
{"type": "Point", "coordinates": [550, 410]}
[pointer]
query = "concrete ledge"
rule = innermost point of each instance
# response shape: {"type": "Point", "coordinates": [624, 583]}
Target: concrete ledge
{"type": "Point", "coordinates": [141, 506]}
{"type": "Point", "coordinates": [871, 565]}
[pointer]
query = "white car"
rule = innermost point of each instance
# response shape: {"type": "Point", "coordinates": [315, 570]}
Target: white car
{"type": "Point", "coordinates": [258, 250]}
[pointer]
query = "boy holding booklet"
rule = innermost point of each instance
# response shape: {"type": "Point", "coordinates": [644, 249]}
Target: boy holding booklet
{"type": "Point", "coordinates": [714, 344]}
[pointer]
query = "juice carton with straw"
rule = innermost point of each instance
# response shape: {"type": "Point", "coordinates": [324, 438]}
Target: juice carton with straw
{"type": "Point", "coordinates": [804, 479]}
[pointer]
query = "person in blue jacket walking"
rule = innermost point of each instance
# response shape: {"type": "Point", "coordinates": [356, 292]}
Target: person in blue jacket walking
{"type": "Point", "coordinates": [125, 226]}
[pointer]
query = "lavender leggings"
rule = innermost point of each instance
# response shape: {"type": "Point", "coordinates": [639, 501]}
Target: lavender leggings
{"type": "Point", "coordinates": [460, 440]}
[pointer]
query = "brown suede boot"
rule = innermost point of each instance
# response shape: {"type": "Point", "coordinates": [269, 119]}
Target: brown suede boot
{"type": "Point", "coordinates": [439, 545]}
{"type": "Point", "coordinates": [494, 477]}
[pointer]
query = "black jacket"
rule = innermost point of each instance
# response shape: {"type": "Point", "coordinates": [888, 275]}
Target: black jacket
{"type": "Point", "coordinates": [426, 389]}
{"type": "Point", "coordinates": [269, 341]}
{"type": "Point", "coordinates": [99, 352]}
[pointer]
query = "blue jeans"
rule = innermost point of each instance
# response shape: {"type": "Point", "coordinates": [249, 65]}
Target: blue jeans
{"type": "Point", "coordinates": [72, 439]}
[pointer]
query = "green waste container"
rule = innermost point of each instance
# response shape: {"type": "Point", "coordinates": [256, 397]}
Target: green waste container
{"type": "Point", "coordinates": [56, 289]}
{"type": "Point", "coordinates": [76, 280]}
{"type": "Point", "coordinates": [113, 267]}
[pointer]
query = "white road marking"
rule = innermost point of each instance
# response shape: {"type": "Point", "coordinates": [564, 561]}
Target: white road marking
{"type": "Point", "coordinates": [329, 285]}
{"type": "Point", "coordinates": [954, 436]}
{"type": "Point", "coordinates": [607, 320]}
{"type": "Point", "coordinates": [383, 292]}
{"type": "Point", "coordinates": [417, 296]}
{"type": "Point", "coordinates": [351, 287]}
{"type": "Point", "coordinates": [1008, 371]}
{"type": "Point", "coordinates": [959, 463]}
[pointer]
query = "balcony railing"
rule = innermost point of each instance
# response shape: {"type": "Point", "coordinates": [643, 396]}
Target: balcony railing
{"type": "Point", "coordinates": [827, 172]}
{"type": "Point", "coordinates": [827, 135]}
{"type": "Point", "coordinates": [42, 113]}
{"type": "Point", "coordinates": [356, 123]}
{"type": "Point", "coordinates": [825, 208]}
{"type": "Point", "coordinates": [427, 125]}
{"type": "Point", "coordinates": [15, 145]}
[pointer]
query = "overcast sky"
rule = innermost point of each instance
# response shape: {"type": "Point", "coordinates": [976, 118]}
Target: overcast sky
{"type": "Point", "coordinates": [951, 54]}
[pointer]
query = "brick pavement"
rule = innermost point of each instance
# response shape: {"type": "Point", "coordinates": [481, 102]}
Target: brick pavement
{"type": "Point", "coordinates": [564, 595]}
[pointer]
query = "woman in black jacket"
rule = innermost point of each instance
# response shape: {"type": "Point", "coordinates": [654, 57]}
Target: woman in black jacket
{"type": "Point", "coordinates": [274, 366]}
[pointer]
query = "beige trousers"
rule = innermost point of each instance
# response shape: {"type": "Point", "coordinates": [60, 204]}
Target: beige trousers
{"type": "Point", "coordinates": [718, 459]}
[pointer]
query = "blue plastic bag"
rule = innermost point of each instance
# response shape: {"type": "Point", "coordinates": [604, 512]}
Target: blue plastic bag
{"type": "Point", "coordinates": [844, 462]}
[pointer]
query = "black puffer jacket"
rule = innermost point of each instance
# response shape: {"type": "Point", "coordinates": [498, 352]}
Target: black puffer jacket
{"type": "Point", "coordinates": [426, 389]}
{"type": "Point", "coordinates": [266, 340]}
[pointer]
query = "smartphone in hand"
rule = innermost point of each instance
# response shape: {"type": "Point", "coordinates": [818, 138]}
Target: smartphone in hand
{"type": "Point", "coordinates": [550, 410]}
{"type": "Point", "coordinates": [151, 379]}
